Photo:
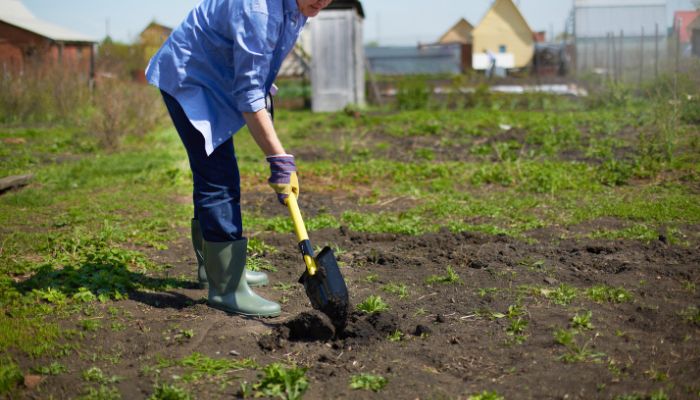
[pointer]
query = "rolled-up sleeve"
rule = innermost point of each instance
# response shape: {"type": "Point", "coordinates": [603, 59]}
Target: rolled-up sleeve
{"type": "Point", "coordinates": [255, 34]}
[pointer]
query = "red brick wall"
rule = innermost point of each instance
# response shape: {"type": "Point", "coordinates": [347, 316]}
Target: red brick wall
{"type": "Point", "coordinates": [18, 48]}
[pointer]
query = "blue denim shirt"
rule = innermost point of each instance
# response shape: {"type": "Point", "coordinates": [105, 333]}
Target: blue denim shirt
{"type": "Point", "coordinates": [222, 60]}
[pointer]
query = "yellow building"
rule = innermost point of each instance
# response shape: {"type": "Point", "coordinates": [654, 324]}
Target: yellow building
{"type": "Point", "coordinates": [460, 33]}
{"type": "Point", "coordinates": [505, 34]}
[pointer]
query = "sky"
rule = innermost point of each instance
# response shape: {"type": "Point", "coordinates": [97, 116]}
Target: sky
{"type": "Point", "coordinates": [388, 22]}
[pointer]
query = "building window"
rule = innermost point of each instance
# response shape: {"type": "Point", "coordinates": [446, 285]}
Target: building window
{"type": "Point", "coordinates": [502, 48]}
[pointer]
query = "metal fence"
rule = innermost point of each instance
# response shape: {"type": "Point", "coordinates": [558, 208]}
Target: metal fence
{"type": "Point", "coordinates": [631, 59]}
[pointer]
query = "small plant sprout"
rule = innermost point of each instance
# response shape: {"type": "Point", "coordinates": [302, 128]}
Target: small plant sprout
{"type": "Point", "coordinates": [277, 380]}
{"type": "Point", "coordinates": [371, 278]}
{"type": "Point", "coordinates": [582, 321]}
{"type": "Point", "coordinates": [284, 287]}
{"type": "Point", "coordinates": [604, 293]}
{"type": "Point", "coordinates": [373, 304]}
{"type": "Point", "coordinates": [485, 395]}
{"type": "Point", "coordinates": [691, 315]}
{"type": "Point", "coordinates": [450, 277]}
{"type": "Point", "coordinates": [564, 337]}
{"type": "Point", "coordinates": [563, 295]}
{"type": "Point", "coordinates": [169, 392]}
{"type": "Point", "coordinates": [396, 336]}
{"type": "Point", "coordinates": [516, 330]}
{"type": "Point", "coordinates": [371, 382]}
{"type": "Point", "coordinates": [397, 289]}
{"type": "Point", "coordinates": [55, 368]}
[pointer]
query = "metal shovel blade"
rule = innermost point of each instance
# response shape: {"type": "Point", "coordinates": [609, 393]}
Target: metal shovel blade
{"type": "Point", "coordinates": [326, 289]}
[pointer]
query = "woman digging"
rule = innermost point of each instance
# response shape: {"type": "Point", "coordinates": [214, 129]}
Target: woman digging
{"type": "Point", "coordinates": [216, 74]}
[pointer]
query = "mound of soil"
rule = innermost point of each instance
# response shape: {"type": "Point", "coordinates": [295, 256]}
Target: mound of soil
{"type": "Point", "coordinates": [315, 326]}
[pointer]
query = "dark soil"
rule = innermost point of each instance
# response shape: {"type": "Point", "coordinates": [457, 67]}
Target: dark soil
{"type": "Point", "coordinates": [456, 339]}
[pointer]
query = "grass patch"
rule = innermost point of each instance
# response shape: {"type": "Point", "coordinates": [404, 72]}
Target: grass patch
{"type": "Point", "coordinates": [400, 290]}
{"type": "Point", "coordinates": [169, 392]}
{"type": "Point", "coordinates": [486, 395]}
{"type": "Point", "coordinates": [450, 278]}
{"type": "Point", "coordinates": [279, 381]}
{"type": "Point", "coordinates": [372, 304]}
{"type": "Point", "coordinates": [371, 382]}
{"type": "Point", "coordinates": [200, 366]}
{"type": "Point", "coordinates": [609, 294]}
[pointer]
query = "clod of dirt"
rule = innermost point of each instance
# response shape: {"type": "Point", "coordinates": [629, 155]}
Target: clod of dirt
{"type": "Point", "coordinates": [422, 330]}
{"type": "Point", "coordinates": [310, 326]}
{"type": "Point", "coordinates": [477, 264]}
{"type": "Point", "coordinates": [315, 326]}
{"type": "Point", "coordinates": [440, 318]}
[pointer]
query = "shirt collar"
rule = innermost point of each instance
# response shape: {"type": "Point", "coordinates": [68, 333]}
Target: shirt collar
{"type": "Point", "coordinates": [290, 6]}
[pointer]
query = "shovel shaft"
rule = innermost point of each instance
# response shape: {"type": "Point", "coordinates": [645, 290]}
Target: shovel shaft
{"type": "Point", "coordinates": [302, 235]}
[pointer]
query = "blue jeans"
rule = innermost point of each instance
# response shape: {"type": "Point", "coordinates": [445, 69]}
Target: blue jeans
{"type": "Point", "coordinates": [216, 180]}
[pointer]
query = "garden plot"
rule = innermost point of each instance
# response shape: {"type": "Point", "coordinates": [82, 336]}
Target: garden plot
{"type": "Point", "coordinates": [488, 254]}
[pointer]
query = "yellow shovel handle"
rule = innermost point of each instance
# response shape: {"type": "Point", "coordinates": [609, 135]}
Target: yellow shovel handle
{"type": "Point", "coordinates": [300, 230]}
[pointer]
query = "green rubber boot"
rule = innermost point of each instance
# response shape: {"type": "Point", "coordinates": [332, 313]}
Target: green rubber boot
{"type": "Point", "coordinates": [254, 278]}
{"type": "Point", "coordinates": [228, 291]}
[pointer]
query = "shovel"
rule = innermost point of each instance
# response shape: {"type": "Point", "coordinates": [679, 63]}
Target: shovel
{"type": "Point", "coordinates": [322, 279]}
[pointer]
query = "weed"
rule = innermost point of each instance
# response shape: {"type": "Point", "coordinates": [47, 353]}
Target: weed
{"type": "Point", "coordinates": [689, 286]}
{"type": "Point", "coordinates": [516, 330]}
{"type": "Point", "coordinates": [169, 392]}
{"type": "Point", "coordinates": [532, 265]}
{"type": "Point", "coordinates": [90, 325]}
{"type": "Point", "coordinates": [397, 289]}
{"type": "Point", "coordinates": [397, 336]}
{"type": "Point", "coordinates": [575, 352]}
{"type": "Point", "coordinates": [486, 395]}
{"type": "Point", "coordinates": [371, 382]}
{"type": "Point", "coordinates": [372, 304]}
{"type": "Point", "coordinates": [582, 321]}
{"type": "Point", "coordinates": [95, 374]}
{"type": "Point", "coordinates": [259, 264]}
{"type": "Point", "coordinates": [55, 368]}
{"type": "Point", "coordinates": [283, 287]}
{"type": "Point", "coordinates": [450, 278]}
{"type": "Point", "coordinates": [563, 295]}
{"type": "Point", "coordinates": [257, 247]}
{"type": "Point", "coordinates": [101, 393]}
{"type": "Point", "coordinates": [371, 278]}
{"type": "Point", "coordinates": [564, 337]}
{"type": "Point", "coordinates": [604, 293]}
{"type": "Point", "coordinates": [691, 315]}
{"type": "Point", "coordinates": [287, 383]}
{"type": "Point", "coordinates": [10, 376]}
{"type": "Point", "coordinates": [201, 366]}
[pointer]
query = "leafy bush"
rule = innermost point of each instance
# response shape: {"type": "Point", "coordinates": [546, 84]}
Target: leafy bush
{"type": "Point", "coordinates": [413, 93]}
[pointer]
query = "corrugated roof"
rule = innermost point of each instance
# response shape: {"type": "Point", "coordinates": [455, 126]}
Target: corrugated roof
{"type": "Point", "coordinates": [13, 12]}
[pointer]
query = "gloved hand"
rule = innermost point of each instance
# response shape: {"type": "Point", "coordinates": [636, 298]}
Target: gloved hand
{"type": "Point", "coordinates": [283, 176]}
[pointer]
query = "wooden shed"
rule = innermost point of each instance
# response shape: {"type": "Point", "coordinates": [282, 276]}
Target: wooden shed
{"type": "Point", "coordinates": [337, 57]}
{"type": "Point", "coordinates": [25, 38]}
{"type": "Point", "coordinates": [506, 34]}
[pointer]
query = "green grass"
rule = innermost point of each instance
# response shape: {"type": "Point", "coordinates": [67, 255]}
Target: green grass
{"type": "Point", "coordinates": [486, 395]}
{"type": "Point", "coordinates": [198, 366]}
{"type": "Point", "coordinates": [398, 289]}
{"type": "Point", "coordinates": [169, 392]}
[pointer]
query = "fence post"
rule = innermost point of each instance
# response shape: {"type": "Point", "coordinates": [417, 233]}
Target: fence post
{"type": "Point", "coordinates": [620, 52]}
{"type": "Point", "coordinates": [656, 52]}
{"type": "Point", "coordinates": [614, 56]}
{"type": "Point", "coordinates": [641, 58]}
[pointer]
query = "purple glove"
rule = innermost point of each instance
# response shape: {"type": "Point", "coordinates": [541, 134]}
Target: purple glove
{"type": "Point", "coordinates": [283, 176]}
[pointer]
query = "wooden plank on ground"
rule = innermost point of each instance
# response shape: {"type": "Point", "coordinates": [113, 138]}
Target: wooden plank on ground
{"type": "Point", "coordinates": [15, 181]}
